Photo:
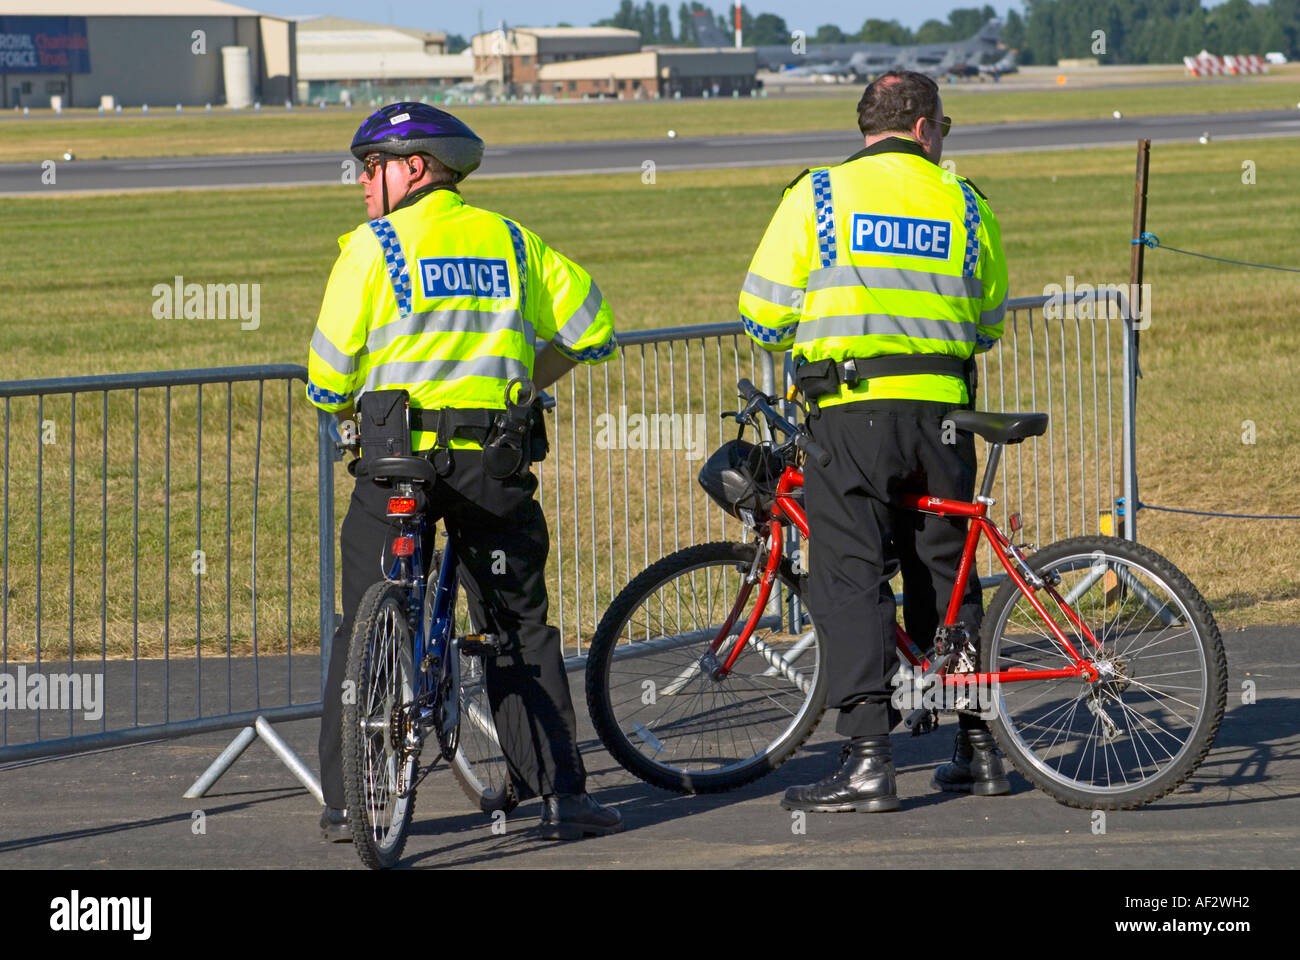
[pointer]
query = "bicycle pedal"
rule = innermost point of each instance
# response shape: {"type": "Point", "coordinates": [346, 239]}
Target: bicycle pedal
{"type": "Point", "coordinates": [480, 645]}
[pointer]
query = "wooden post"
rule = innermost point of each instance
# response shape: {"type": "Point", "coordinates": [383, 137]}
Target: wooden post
{"type": "Point", "coordinates": [1139, 228]}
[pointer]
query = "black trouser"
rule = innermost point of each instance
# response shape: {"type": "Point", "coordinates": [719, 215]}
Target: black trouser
{"type": "Point", "coordinates": [861, 537]}
{"type": "Point", "coordinates": [501, 541]}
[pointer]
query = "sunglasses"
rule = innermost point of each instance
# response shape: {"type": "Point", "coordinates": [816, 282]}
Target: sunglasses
{"type": "Point", "coordinates": [944, 125]}
{"type": "Point", "coordinates": [373, 162]}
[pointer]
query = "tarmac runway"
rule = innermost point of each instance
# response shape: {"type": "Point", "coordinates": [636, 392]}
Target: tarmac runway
{"type": "Point", "coordinates": [628, 156]}
{"type": "Point", "coordinates": [124, 808]}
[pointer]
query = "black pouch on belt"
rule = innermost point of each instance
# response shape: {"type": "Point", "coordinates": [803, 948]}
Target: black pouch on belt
{"type": "Point", "coordinates": [817, 378]}
{"type": "Point", "coordinates": [538, 445]}
{"type": "Point", "coordinates": [506, 454]}
{"type": "Point", "coordinates": [383, 424]}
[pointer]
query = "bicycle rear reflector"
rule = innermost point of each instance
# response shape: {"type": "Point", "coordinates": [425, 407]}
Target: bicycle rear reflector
{"type": "Point", "coordinates": [1014, 522]}
{"type": "Point", "coordinates": [401, 506]}
{"type": "Point", "coordinates": [403, 546]}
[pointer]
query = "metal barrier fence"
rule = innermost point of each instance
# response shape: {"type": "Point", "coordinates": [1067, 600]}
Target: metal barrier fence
{"type": "Point", "coordinates": [629, 436]}
{"type": "Point", "coordinates": [148, 586]}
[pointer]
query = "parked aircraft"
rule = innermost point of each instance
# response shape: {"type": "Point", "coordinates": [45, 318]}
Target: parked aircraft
{"type": "Point", "coordinates": [858, 60]}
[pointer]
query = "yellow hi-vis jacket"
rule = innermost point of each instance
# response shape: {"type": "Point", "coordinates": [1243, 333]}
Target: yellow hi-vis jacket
{"type": "Point", "coordinates": [886, 253]}
{"type": "Point", "coordinates": [449, 302]}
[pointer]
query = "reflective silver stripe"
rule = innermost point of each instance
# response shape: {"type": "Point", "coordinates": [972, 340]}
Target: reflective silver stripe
{"type": "Point", "coordinates": [500, 368]}
{"type": "Point", "coordinates": [894, 278]}
{"type": "Point", "coordinates": [884, 325]}
{"type": "Point", "coordinates": [331, 354]}
{"type": "Point", "coordinates": [449, 321]}
{"type": "Point", "coordinates": [582, 318]}
{"type": "Point", "coordinates": [991, 318]}
{"type": "Point", "coordinates": [773, 292]}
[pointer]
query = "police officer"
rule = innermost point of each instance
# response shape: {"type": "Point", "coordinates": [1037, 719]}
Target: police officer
{"type": "Point", "coordinates": [451, 302]}
{"type": "Point", "coordinates": [884, 274]}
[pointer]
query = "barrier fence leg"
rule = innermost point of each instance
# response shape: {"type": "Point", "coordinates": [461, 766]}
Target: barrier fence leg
{"type": "Point", "coordinates": [226, 760]}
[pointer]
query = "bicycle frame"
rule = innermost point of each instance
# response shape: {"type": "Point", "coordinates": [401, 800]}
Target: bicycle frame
{"type": "Point", "coordinates": [433, 607]}
{"type": "Point", "coordinates": [786, 509]}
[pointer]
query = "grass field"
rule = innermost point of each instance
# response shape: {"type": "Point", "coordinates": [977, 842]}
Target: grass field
{"type": "Point", "coordinates": [164, 133]}
{"type": "Point", "coordinates": [76, 298]}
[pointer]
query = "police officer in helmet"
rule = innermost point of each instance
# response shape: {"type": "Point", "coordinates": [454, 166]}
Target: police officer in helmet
{"type": "Point", "coordinates": [885, 276]}
{"type": "Point", "coordinates": [450, 303]}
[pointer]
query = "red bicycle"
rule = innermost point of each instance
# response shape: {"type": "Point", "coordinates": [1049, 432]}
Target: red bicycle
{"type": "Point", "coordinates": [1099, 666]}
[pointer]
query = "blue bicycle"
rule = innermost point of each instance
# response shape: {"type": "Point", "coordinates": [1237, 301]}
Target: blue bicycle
{"type": "Point", "coordinates": [411, 675]}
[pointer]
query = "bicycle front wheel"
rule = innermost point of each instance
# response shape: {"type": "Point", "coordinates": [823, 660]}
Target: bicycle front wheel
{"type": "Point", "coordinates": [1144, 726]}
{"type": "Point", "coordinates": [380, 750]}
{"type": "Point", "coordinates": [479, 765]}
{"type": "Point", "coordinates": [655, 700]}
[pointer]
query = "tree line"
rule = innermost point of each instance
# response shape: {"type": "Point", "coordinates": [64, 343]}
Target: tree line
{"type": "Point", "coordinates": [1135, 31]}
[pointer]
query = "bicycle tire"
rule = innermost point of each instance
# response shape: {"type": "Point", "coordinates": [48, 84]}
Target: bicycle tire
{"type": "Point", "coordinates": [381, 677]}
{"type": "Point", "coordinates": [1143, 750]}
{"type": "Point", "coordinates": [671, 764]}
{"type": "Point", "coordinates": [479, 765]}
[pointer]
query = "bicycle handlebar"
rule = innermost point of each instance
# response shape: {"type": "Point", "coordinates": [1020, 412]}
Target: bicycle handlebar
{"type": "Point", "coordinates": [762, 403]}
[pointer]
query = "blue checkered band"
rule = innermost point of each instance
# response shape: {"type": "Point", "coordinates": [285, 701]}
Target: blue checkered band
{"type": "Point", "coordinates": [398, 275]}
{"type": "Point", "coordinates": [319, 395]}
{"type": "Point", "coordinates": [972, 223]}
{"type": "Point", "coordinates": [521, 258]}
{"type": "Point", "coordinates": [590, 354]}
{"type": "Point", "coordinates": [764, 334]}
{"type": "Point", "coordinates": [983, 343]}
{"type": "Point", "coordinates": [821, 185]}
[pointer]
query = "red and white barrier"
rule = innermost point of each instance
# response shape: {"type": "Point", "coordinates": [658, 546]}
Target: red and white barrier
{"type": "Point", "coordinates": [1207, 64]}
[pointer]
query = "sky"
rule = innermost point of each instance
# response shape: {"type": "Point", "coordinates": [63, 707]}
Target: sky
{"type": "Point", "coordinates": [464, 18]}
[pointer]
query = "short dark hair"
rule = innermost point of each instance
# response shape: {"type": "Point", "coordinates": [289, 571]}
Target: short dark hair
{"type": "Point", "coordinates": [895, 101]}
{"type": "Point", "coordinates": [443, 176]}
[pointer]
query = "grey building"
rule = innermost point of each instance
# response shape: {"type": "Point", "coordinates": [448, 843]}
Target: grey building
{"type": "Point", "coordinates": [142, 51]}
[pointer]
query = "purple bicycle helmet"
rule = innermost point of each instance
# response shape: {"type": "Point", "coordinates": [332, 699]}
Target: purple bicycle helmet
{"type": "Point", "coordinates": [402, 129]}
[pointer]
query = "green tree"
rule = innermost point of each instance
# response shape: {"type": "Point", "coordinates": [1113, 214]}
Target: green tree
{"type": "Point", "coordinates": [829, 33]}
{"type": "Point", "coordinates": [456, 43]}
{"type": "Point", "coordinates": [1013, 31]}
{"type": "Point", "coordinates": [664, 34]}
{"type": "Point", "coordinates": [768, 30]}
{"type": "Point", "coordinates": [687, 22]}
{"type": "Point", "coordinates": [885, 31]}
{"type": "Point", "coordinates": [933, 31]}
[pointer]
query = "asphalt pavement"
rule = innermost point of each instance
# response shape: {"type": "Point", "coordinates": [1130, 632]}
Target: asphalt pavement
{"type": "Point", "coordinates": [796, 150]}
{"type": "Point", "coordinates": [123, 808]}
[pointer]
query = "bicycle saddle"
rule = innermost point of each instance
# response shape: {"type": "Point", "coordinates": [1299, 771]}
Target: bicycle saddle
{"type": "Point", "coordinates": [416, 469]}
{"type": "Point", "coordinates": [1000, 427]}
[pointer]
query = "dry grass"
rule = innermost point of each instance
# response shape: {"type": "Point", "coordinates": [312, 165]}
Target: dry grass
{"type": "Point", "coordinates": [77, 300]}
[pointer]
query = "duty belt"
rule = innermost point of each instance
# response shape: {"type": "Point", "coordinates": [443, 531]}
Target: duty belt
{"type": "Point", "coordinates": [467, 423]}
{"type": "Point", "coordinates": [819, 378]}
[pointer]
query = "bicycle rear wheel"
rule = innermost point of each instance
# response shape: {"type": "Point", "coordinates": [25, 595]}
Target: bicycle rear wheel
{"type": "Point", "coordinates": [1140, 730]}
{"type": "Point", "coordinates": [663, 715]}
{"type": "Point", "coordinates": [379, 764]}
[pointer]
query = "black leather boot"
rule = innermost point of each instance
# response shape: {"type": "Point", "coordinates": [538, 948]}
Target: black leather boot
{"type": "Point", "coordinates": [864, 782]}
{"type": "Point", "coordinates": [976, 767]}
{"type": "Point", "coordinates": [334, 825]}
{"type": "Point", "coordinates": [571, 816]}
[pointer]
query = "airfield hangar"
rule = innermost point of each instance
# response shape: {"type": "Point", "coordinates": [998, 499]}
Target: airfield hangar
{"type": "Point", "coordinates": [143, 51]}
{"type": "Point", "coordinates": [565, 62]}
